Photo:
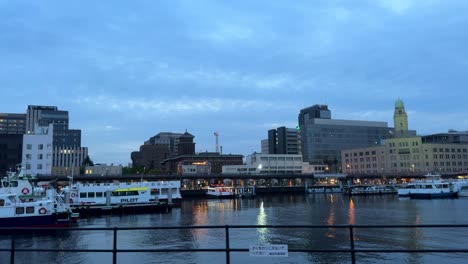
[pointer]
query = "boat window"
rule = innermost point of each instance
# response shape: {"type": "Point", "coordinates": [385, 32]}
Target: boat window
{"type": "Point", "coordinates": [2, 202]}
{"type": "Point", "coordinates": [83, 195]}
{"type": "Point", "coordinates": [99, 194]}
{"type": "Point", "coordinates": [19, 210]}
{"type": "Point", "coordinates": [428, 186]}
{"type": "Point", "coordinates": [154, 191]}
{"type": "Point", "coordinates": [131, 193]}
{"type": "Point", "coordinates": [30, 210]}
{"type": "Point", "coordinates": [14, 184]}
{"type": "Point", "coordinates": [90, 195]}
{"type": "Point", "coordinates": [445, 186]}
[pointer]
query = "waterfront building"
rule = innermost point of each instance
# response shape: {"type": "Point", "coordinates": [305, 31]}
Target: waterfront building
{"type": "Point", "coordinates": [194, 168]}
{"type": "Point", "coordinates": [169, 139]}
{"type": "Point", "coordinates": [259, 163]}
{"type": "Point", "coordinates": [406, 156]}
{"type": "Point", "coordinates": [150, 156]}
{"type": "Point", "coordinates": [409, 154]}
{"type": "Point", "coordinates": [67, 160]}
{"type": "Point", "coordinates": [42, 116]}
{"type": "Point", "coordinates": [451, 137]}
{"type": "Point", "coordinates": [323, 138]}
{"type": "Point", "coordinates": [103, 170]}
{"type": "Point", "coordinates": [283, 140]}
{"type": "Point", "coordinates": [163, 146]}
{"type": "Point", "coordinates": [215, 159]}
{"type": "Point", "coordinates": [11, 123]}
{"type": "Point", "coordinates": [37, 151]}
{"type": "Point", "coordinates": [264, 146]}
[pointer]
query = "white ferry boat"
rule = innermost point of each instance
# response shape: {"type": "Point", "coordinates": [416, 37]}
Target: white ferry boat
{"type": "Point", "coordinates": [117, 193]}
{"type": "Point", "coordinates": [22, 185]}
{"type": "Point", "coordinates": [220, 192]}
{"type": "Point", "coordinates": [52, 211]}
{"type": "Point", "coordinates": [431, 187]}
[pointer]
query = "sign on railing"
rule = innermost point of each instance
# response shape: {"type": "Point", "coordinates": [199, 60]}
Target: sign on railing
{"type": "Point", "coordinates": [279, 250]}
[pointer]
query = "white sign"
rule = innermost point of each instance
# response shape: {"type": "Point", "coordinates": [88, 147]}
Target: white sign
{"type": "Point", "coordinates": [268, 250]}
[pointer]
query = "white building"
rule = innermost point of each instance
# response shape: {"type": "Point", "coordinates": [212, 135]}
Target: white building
{"type": "Point", "coordinates": [258, 163]}
{"type": "Point", "coordinates": [37, 151]}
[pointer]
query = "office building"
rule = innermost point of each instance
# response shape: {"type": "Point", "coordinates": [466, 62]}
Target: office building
{"type": "Point", "coordinates": [68, 160]}
{"type": "Point", "coordinates": [323, 138]}
{"type": "Point", "coordinates": [11, 123]}
{"type": "Point", "coordinates": [11, 149]}
{"type": "Point", "coordinates": [42, 116]}
{"type": "Point", "coordinates": [284, 141]}
{"type": "Point", "coordinates": [264, 146]}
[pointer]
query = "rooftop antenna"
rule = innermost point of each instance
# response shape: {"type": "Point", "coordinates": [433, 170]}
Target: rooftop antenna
{"type": "Point", "coordinates": [217, 141]}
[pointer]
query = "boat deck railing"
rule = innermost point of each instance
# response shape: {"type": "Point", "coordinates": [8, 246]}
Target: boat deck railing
{"type": "Point", "coordinates": [227, 249]}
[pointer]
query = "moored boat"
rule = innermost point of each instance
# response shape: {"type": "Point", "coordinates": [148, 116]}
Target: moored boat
{"type": "Point", "coordinates": [49, 212]}
{"type": "Point", "coordinates": [220, 192]}
{"type": "Point", "coordinates": [431, 187]}
{"type": "Point", "coordinates": [124, 193]}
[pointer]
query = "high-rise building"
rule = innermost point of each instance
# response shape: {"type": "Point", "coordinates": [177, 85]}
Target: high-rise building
{"type": "Point", "coordinates": [12, 128]}
{"type": "Point", "coordinates": [284, 140]}
{"type": "Point", "coordinates": [42, 116]}
{"type": "Point", "coordinates": [323, 138]}
{"type": "Point", "coordinates": [11, 123]}
{"type": "Point", "coordinates": [11, 149]}
{"type": "Point", "coordinates": [264, 146]}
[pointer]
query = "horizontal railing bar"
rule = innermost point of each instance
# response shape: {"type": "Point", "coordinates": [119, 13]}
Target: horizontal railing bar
{"type": "Point", "coordinates": [247, 250]}
{"type": "Point", "coordinates": [10, 230]}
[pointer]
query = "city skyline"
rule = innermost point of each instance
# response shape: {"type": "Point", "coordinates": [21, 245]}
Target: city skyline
{"type": "Point", "coordinates": [237, 68]}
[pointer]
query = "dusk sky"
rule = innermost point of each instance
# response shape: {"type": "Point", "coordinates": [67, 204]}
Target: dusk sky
{"type": "Point", "coordinates": [127, 70]}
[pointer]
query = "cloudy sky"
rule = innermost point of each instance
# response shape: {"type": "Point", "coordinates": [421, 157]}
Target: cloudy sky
{"type": "Point", "coordinates": [126, 70]}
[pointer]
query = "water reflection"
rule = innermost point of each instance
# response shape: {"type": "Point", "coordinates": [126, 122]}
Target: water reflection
{"type": "Point", "coordinates": [262, 220]}
{"type": "Point", "coordinates": [310, 209]}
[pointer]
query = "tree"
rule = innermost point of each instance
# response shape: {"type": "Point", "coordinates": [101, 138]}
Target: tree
{"type": "Point", "coordinates": [88, 161]}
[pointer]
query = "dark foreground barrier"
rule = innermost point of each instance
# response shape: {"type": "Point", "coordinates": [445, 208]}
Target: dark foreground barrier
{"type": "Point", "coordinates": [227, 249]}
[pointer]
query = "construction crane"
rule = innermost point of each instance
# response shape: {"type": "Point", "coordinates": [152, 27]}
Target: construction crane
{"type": "Point", "coordinates": [217, 141]}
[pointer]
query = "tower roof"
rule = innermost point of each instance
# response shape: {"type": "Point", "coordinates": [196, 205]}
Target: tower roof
{"type": "Point", "coordinates": [399, 103]}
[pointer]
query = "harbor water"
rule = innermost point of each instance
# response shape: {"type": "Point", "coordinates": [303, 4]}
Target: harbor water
{"type": "Point", "coordinates": [298, 209]}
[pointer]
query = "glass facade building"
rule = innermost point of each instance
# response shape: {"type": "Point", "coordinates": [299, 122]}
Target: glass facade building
{"type": "Point", "coordinates": [323, 138]}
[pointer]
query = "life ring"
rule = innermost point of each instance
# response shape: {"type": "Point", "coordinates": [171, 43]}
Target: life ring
{"type": "Point", "coordinates": [42, 210]}
{"type": "Point", "coordinates": [73, 195]}
{"type": "Point", "coordinates": [25, 191]}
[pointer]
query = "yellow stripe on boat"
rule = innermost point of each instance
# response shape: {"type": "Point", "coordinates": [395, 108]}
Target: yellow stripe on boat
{"type": "Point", "coordinates": [131, 189]}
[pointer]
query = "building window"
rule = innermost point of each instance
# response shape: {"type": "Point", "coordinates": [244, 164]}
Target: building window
{"type": "Point", "coordinates": [28, 146]}
{"type": "Point", "coordinates": [39, 166]}
{"type": "Point", "coordinates": [39, 156]}
{"type": "Point", "coordinates": [40, 146]}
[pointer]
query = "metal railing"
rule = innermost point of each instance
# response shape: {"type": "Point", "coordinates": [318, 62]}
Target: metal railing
{"type": "Point", "coordinates": [227, 249]}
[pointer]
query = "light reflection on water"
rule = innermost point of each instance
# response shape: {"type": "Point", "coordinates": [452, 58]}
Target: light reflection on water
{"type": "Point", "coordinates": [313, 209]}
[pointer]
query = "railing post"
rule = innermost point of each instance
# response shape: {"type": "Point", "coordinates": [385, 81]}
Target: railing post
{"type": "Point", "coordinates": [12, 250]}
{"type": "Point", "coordinates": [228, 257]}
{"type": "Point", "coordinates": [351, 241]}
{"type": "Point", "coordinates": [114, 251]}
